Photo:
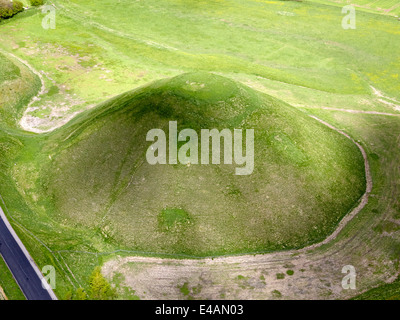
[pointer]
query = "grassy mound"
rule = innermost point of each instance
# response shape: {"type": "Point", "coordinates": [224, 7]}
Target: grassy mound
{"type": "Point", "coordinates": [93, 173]}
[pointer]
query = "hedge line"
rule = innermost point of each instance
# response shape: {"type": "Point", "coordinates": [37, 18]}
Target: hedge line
{"type": "Point", "coordinates": [9, 9]}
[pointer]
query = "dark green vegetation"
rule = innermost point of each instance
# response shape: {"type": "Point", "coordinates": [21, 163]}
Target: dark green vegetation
{"type": "Point", "coordinates": [9, 9]}
{"type": "Point", "coordinates": [36, 2]}
{"type": "Point", "coordinates": [280, 276]}
{"type": "Point", "coordinates": [170, 219]}
{"type": "Point", "coordinates": [386, 292]}
{"type": "Point", "coordinates": [99, 289]}
{"type": "Point", "coordinates": [9, 71]}
{"type": "Point", "coordinates": [77, 189]}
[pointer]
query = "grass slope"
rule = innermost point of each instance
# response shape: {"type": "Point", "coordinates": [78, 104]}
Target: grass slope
{"type": "Point", "coordinates": [93, 174]}
{"type": "Point", "coordinates": [296, 51]}
{"type": "Point", "coordinates": [391, 7]}
{"type": "Point", "coordinates": [7, 282]}
{"type": "Point", "coordinates": [17, 86]}
{"type": "Point", "coordinates": [386, 292]}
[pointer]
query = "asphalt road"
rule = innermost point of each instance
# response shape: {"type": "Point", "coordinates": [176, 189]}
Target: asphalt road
{"type": "Point", "coordinates": [24, 271]}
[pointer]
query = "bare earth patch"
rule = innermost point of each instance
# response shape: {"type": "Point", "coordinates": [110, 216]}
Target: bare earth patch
{"type": "Point", "coordinates": [2, 294]}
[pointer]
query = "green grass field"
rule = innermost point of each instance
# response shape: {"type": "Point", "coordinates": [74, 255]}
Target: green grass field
{"type": "Point", "coordinates": [8, 284]}
{"type": "Point", "coordinates": [389, 7]}
{"type": "Point", "coordinates": [80, 193]}
{"type": "Point", "coordinates": [252, 41]}
{"type": "Point", "coordinates": [386, 292]}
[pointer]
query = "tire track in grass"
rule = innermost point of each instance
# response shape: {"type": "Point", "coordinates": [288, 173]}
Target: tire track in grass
{"type": "Point", "coordinates": [356, 111]}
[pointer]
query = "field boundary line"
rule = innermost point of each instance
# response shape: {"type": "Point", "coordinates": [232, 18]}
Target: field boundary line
{"type": "Point", "coordinates": [356, 111]}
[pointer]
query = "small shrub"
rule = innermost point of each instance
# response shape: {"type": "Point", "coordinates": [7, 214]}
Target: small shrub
{"type": "Point", "coordinates": [36, 3]}
{"type": "Point", "coordinates": [280, 276]}
{"type": "Point", "coordinates": [17, 7]}
{"type": "Point", "coordinates": [9, 9]}
{"type": "Point", "coordinates": [80, 294]}
{"type": "Point", "coordinates": [276, 294]}
{"type": "Point", "coordinates": [100, 289]}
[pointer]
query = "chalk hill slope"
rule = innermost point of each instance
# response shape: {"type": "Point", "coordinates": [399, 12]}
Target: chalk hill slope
{"type": "Point", "coordinates": [94, 173]}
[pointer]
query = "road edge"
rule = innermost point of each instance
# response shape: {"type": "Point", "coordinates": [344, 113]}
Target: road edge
{"type": "Point", "coordinates": [24, 250]}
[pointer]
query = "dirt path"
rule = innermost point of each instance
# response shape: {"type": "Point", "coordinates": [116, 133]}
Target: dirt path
{"type": "Point", "coordinates": [346, 219]}
{"type": "Point", "coordinates": [364, 198]}
{"type": "Point", "coordinates": [357, 111]}
{"type": "Point", "coordinates": [23, 121]}
{"type": "Point", "coordinates": [392, 102]}
{"type": "Point", "coordinates": [245, 276]}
